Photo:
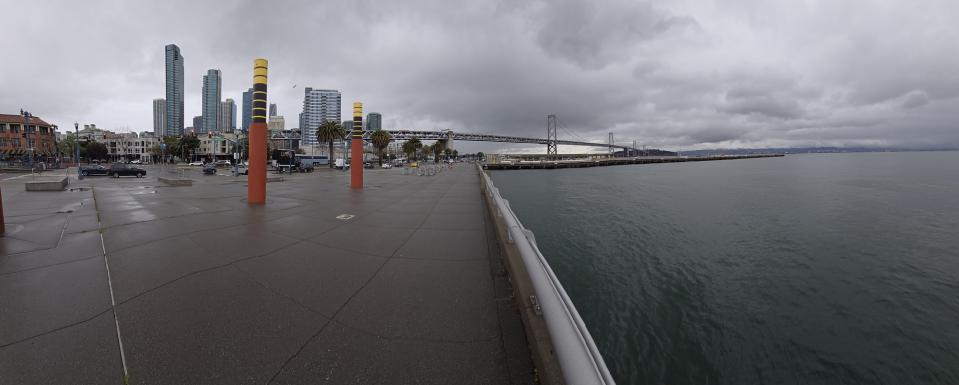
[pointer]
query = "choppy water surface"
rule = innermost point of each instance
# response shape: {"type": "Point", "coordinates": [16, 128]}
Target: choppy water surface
{"type": "Point", "coordinates": [808, 269]}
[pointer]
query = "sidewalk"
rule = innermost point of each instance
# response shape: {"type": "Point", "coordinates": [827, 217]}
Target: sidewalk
{"type": "Point", "coordinates": [410, 289]}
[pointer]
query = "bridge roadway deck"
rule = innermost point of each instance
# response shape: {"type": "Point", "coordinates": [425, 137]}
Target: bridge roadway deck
{"type": "Point", "coordinates": [209, 290]}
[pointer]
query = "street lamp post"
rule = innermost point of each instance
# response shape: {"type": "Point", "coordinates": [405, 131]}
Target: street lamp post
{"type": "Point", "coordinates": [76, 148]}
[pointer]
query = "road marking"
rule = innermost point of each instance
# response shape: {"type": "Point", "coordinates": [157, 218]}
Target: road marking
{"type": "Point", "coordinates": [345, 216]}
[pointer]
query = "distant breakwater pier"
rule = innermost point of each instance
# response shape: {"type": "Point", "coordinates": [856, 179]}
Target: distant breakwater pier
{"type": "Point", "coordinates": [515, 164]}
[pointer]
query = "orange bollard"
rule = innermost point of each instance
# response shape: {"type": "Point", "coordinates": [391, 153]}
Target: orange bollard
{"type": "Point", "coordinates": [256, 181]}
{"type": "Point", "coordinates": [356, 146]}
{"type": "Point", "coordinates": [3, 220]}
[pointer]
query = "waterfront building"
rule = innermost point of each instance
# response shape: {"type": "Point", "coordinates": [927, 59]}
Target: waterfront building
{"type": "Point", "coordinates": [227, 120]}
{"type": "Point", "coordinates": [221, 146]}
{"type": "Point", "coordinates": [276, 123]}
{"type": "Point", "coordinates": [211, 101]}
{"type": "Point", "coordinates": [198, 124]}
{"type": "Point", "coordinates": [285, 139]}
{"type": "Point", "coordinates": [129, 145]}
{"type": "Point", "coordinates": [318, 106]}
{"type": "Point", "coordinates": [174, 91]}
{"type": "Point", "coordinates": [374, 121]}
{"type": "Point", "coordinates": [20, 137]}
{"type": "Point", "coordinates": [159, 117]}
{"type": "Point", "coordinates": [247, 109]}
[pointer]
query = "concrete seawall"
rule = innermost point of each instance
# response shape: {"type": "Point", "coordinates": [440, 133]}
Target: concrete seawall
{"type": "Point", "coordinates": [554, 164]}
{"type": "Point", "coordinates": [560, 343]}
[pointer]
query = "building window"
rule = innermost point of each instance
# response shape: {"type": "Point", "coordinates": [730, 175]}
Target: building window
{"type": "Point", "coordinates": [31, 129]}
{"type": "Point", "coordinates": [15, 142]}
{"type": "Point", "coordinates": [30, 143]}
{"type": "Point", "coordinates": [3, 127]}
{"type": "Point", "coordinates": [44, 129]}
{"type": "Point", "coordinates": [15, 128]}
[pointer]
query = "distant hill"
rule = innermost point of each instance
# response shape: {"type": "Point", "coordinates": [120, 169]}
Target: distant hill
{"type": "Point", "coordinates": [800, 150]}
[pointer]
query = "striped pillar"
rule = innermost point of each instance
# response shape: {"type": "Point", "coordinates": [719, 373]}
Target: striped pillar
{"type": "Point", "coordinates": [356, 163]}
{"type": "Point", "coordinates": [256, 181]}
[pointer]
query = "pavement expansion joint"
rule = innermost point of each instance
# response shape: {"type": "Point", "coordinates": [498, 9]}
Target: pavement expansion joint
{"type": "Point", "coordinates": [54, 330]}
{"type": "Point", "coordinates": [49, 265]}
{"type": "Point", "coordinates": [412, 339]}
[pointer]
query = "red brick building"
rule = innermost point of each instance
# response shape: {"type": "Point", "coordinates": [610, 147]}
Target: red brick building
{"type": "Point", "coordinates": [18, 135]}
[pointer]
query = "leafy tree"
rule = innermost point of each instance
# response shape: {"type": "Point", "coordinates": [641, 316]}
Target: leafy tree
{"type": "Point", "coordinates": [96, 150]}
{"type": "Point", "coordinates": [188, 144]}
{"type": "Point", "coordinates": [68, 144]}
{"type": "Point", "coordinates": [381, 139]}
{"type": "Point", "coordinates": [456, 154]}
{"type": "Point", "coordinates": [330, 131]}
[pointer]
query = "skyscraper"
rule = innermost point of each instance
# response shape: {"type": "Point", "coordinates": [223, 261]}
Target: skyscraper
{"type": "Point", "coordinates": [232, 115]}
{"type": "Point", "coordinates": [318, 106]}
{"type": "Point", "coordinates": [227, 119]}
{"type": "Point", "coordinates": [374, 121]}
{"type": "Point", "coordinates": [174, 91]}
{"type": "Point", "coordinates": [247, 109]}
{"type": "Point", "coordinates": [159, 117]}
{"type": "Point", "coordinates": [272, 109]}
{"type": "Point", "coordinates": [211, 101]}
{"type": "Point", "coordinates": [198, 124]}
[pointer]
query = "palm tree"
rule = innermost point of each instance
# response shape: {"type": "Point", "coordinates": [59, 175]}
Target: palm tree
{"type": "Point", "coordinates": [330, 131]}
{"type": "Point", "coordinates": [411, 146]}
{"type": "Point", "coordinates": [426, 150]}
{"type": "Point", "coordinates": [437, 149]}
{"type": "Point", "coordinates": [380, 140]}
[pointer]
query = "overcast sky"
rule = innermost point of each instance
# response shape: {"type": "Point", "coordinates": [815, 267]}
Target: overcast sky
{"type": "Point", "coordinates": [673, 74]}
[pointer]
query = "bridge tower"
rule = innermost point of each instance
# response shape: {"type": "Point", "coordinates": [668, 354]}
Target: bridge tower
{"type": "Point", "coordinates": [610, 143]}
{"type": "Point", "coordinates": [551, 136]}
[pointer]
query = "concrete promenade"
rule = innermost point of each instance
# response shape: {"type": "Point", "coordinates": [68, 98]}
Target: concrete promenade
{"type": "Point", "coordinates": [407, 288]}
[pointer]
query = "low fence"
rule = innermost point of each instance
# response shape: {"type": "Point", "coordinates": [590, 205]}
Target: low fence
{"type": "Point", "coordinates": [576, 354]}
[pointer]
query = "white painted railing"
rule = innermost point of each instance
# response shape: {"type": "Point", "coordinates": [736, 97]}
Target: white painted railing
{"type": "Point", "coordinates": [579, 359]}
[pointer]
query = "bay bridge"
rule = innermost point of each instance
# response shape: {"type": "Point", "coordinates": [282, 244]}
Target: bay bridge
{"type": "Point", "coordinates": [551, 141]}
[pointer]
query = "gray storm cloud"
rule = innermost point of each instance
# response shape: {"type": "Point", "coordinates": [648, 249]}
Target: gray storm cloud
{"type": "Point", "coordinates": [678, 74]}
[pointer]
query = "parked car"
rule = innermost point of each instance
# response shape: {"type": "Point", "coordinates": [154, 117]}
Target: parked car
{"type": "Point", "coordinates": [94, 169]}
{"type": "Point", "coordinates": [209, 169]}
{"type": "Point", "coordinates": [136, 161]}
{"type": "Point", "coordinates": [368, 165]}
{"type": "Point", "coordinates": [196, 163]}
{"type": "Point", "coordinates": [119, 169]}
{"type": "Point", "coordinates": [222, 163]}
{"type": "Point", "coordinates": [242, 170]}
{"type": "Point", "coordinates": [387, 166]}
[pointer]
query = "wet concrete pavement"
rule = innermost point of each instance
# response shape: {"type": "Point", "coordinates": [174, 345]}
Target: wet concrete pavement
{"type": "Point", "coordinates": [410, 289]}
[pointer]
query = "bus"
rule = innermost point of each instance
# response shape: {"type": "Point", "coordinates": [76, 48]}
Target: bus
{"type": "Point", "coordinates": [304, 161]}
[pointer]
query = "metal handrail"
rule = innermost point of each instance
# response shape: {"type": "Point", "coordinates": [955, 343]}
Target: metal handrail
{"type": "Point", "coordinates": [579, 359]}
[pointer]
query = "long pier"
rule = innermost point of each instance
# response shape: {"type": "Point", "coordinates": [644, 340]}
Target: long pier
{"type": "Point", "coordinates": [554, 164]}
